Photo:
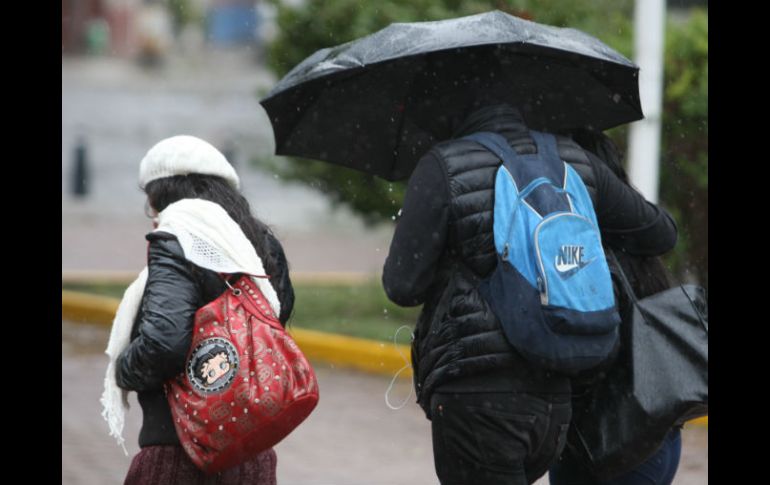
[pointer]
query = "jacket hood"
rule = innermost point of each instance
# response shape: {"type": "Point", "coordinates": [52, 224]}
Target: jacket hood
{"type": "Point", "coordinates": [499, 118]}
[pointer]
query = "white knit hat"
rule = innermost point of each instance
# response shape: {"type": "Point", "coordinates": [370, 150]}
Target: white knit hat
{"type": "Point", "coordinates": [182, 155]}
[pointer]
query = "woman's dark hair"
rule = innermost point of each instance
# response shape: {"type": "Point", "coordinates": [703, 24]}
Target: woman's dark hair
{"type": "Point", "coordinates": [602, 146]}
{"type": "Point", "coordinates": [647, 275]}
{"type": "Point", "coordinates": [167, 190]}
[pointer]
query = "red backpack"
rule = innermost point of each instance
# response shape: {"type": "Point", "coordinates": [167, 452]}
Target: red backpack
{"type": "Point", "coordinates": [246, 384]}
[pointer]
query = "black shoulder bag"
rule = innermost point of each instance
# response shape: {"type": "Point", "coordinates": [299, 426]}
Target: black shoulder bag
{"type": "Point", "coordinates": [659, 381]}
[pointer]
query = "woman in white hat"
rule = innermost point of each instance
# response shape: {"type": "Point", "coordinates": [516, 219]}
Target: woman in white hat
{"type": "Point", "coordinates": [203, 227]}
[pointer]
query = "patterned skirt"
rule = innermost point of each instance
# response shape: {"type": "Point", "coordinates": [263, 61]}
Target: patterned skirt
{"type": "Point", "coordinates": [170, 465]}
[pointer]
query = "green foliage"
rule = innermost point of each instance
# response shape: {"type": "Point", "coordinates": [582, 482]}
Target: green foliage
{"type": "Point", "coordinates": [317, 24]}
{"type": "Point", "coordinates": [373, 198]}
{"type": "Point", "coordinates": [184, 12]}
{"type": "Point", "coordinates": [684, 160]}
{"type": "Point", "coordinates": [356, 310]}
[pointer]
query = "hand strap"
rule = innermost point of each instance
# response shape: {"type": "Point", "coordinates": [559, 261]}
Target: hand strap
{"type": "Point", "coordinates": [622, 274]}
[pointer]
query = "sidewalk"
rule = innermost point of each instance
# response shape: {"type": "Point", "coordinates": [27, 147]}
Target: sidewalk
{"type": "Point", "coordinates": [352, 438]}
{"type": "Point", "coordinates": [105, 230]}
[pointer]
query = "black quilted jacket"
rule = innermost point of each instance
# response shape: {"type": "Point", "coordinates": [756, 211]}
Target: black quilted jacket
{"type": "Point", "coordinates": [444, 245]}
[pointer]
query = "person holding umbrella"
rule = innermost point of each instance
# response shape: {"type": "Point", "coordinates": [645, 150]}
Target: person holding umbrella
{"type": "Point", "coordinates": [647, 276]}
{"type": "Point", "coordinates": [396, 104]}
{"type": "Point", "coordinates": [496, 417]}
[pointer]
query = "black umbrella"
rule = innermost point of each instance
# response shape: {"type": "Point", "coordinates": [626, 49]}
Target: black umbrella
{"type": "Point", "coordinates": [378, 103]}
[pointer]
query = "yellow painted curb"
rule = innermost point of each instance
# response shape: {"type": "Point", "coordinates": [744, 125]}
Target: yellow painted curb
{"type": "Point", "coordinates": [84, 307]}
{"type": "Point", "coordinates": [704, 421]}
{"type": "Point", "coordinates": [363, 354]}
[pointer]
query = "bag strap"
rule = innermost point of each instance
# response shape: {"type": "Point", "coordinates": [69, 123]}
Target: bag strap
{"type": "Point", "coordinates": [547, 148]}
{"type": "Point", "coordinates": [494, 143]}
{"type": "Point", "coordinates": [226, 278]}
{"type": "Point", "coordinates": [622, 274]}
{"type": "Point", "coordinates": [547, 158]}
{"type": "Point", "coordinates": [271, 317]}
{"type": "Point", "coordinates": [497, 145]}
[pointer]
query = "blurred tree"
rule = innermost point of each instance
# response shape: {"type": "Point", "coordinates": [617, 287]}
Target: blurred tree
{"type": "Point", "coordinates": [315, 24]}
{"type": "Point", "coordinates": [684, 158]}
{"type": "Point", "coordinates": [184, 12]}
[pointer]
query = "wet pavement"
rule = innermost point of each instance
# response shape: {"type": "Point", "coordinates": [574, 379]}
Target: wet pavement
{"type": "Point", "coordinates": [352, 438]}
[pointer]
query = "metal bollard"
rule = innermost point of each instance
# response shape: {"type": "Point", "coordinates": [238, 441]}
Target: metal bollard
{"type": "Point", "coordinates": [81, 174]}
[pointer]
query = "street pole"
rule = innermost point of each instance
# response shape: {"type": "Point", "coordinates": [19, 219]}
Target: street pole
{"type": "Point", "coordinates": [644, 136]}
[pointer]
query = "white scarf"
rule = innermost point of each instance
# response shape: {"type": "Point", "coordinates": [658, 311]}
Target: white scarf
{"type": "Point", "coordinates": [210, 239]}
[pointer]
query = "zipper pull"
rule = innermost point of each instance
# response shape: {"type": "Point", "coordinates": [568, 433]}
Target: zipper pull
{"type": "Point", "coordinates": [541, 289]}
{"type": "Point", "coordinates": [505, 252]}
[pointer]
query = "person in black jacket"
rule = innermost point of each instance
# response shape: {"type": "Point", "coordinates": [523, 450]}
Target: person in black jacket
{"type": "Point", "coordinates": [178, 169]}
{"type": "Point", "coordinates": [495, 417]}
{"type": "Point", "coordinates": [647, 276]}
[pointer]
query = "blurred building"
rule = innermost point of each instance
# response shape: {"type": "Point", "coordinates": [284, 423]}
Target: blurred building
{"type": "Point", "coordinates": [99, 26]}
{"type": "Point", "coordinates": [231, 22]}
{"type": "Point", "coordinates": [127, 28]}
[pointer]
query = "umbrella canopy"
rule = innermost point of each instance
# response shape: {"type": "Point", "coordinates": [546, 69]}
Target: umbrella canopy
{"type": "Point", "coordinates": [378, 103]}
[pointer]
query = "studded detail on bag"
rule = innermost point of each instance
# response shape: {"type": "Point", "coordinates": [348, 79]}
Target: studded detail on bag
{"type": "Point", "coordinates": [246, 383]}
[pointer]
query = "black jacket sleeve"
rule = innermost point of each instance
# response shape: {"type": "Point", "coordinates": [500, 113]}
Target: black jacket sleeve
{"type": "Point", "coordinates": [420, 235]}
{"type": "Point", "coordinates": [164, 322]}
{"type": "Point", "coordinates": [626, 219]}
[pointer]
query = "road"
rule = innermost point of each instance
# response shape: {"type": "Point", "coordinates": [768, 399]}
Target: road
{"type": "Point", "coordinates": [352, 438]}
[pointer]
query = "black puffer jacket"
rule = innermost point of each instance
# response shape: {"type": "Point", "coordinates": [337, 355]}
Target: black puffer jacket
{"type": "Point", "coordinates": [162, 332]}
{"type": "Point", "coordinates": [444, 245]}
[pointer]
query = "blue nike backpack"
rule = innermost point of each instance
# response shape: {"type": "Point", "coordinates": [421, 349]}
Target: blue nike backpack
{"type": "Point", "coordinates": [551, 289]}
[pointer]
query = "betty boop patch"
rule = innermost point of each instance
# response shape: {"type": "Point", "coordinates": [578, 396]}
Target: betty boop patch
{"type": "Point", "coordinates": [212, 366]}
